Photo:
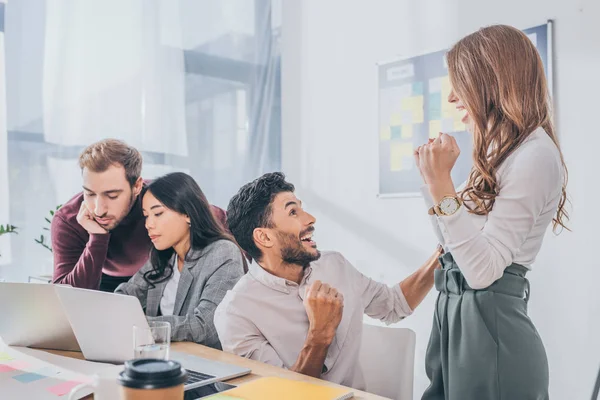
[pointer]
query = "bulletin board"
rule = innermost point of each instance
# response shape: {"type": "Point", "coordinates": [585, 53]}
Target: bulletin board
{"type": "Point", "coordinates": [413, 107]}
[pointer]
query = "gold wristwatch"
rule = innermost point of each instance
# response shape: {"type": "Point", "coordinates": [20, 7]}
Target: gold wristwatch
{"type": "Point", "coordinates": [449, 205]}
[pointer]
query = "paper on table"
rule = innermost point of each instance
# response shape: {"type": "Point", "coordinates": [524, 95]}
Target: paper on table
{"type": "Point", "coordinates": [72, 364]}
{"type": "Point", "coordinates": [35, 374]}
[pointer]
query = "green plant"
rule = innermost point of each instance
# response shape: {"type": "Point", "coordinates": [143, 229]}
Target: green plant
{"type": "Point", "coordinates": [8, 229]}
{"type": "Point", "coordinates": [42, 240]}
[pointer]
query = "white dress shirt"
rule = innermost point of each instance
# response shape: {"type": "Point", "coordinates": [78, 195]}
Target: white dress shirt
{"type": "Point", "coordinates": [530, 183]}
{"type": "Point", "coordinates": [263, 317]}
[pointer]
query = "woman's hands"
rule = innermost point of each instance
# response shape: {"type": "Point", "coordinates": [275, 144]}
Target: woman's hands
{"type": "Point", "coordinates": [435, 161]}
{"type": "Point", "coordinates": [436, 158]}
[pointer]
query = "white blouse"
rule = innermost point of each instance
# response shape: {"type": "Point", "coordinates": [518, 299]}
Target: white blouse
{"type": "Point", "coordinates": [167, 301]}
{"type": "Point", "coordinates": [530, 187]}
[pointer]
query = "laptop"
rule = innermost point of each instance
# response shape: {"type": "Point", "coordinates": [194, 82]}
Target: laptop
{"type": "Point", "coordinates": [98, 324]}
{"type": "Point", "coordinates": [103, 324]}
{"type": "Point", "coordinates": [33, 316]}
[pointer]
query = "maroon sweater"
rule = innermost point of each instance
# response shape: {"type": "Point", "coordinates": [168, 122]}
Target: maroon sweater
{"type": "Point", "coordinates": [81, 258]}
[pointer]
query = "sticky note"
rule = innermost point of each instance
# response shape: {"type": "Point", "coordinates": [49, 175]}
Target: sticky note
{"type": "Point", "coordinates": [417, 89]}
{"type": "Point", "coordinates": [418, 116]}
{"type": "Point", "coordinates": [435, 106]}
{"type": "Point", "coordinates": [447, 110]}
{"type": "Point", "coordinates": [459, 126]}
{"type": "Point", "coordinates": [456, 114]}
{"type": "Point", "coordinates": [446, 87]}
{"type": "Point", "coordinates": [400, 156]}
{"type": "Point", "coordinates": [5, 357]}
{"type": "Point", "coordinates": [19, 364]}
{"type": "Point", "coordinates": [396, 119]}
{"type": "Point", "coordinates": [62, 388]}
{"type": "Point", "coordinates": [28, 377]}
{"type": "Point", "coordinates": [407, 131]}
{"type": "Point", "coordinates": [6, 368]}
{"type": "Point", "coordinates": [396, 132]}
{"type": "Point", "coordinates": [417, 103]}
{"type": "Point", "coordinates": [435, 127]}
{"type": "Point", "coordinates": [412, 103]}
{"type": "Point", "coordinates": [385, 133]}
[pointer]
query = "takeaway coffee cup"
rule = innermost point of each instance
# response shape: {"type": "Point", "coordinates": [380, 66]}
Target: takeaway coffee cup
{"type": "Point", "coordinates": [152, 379]}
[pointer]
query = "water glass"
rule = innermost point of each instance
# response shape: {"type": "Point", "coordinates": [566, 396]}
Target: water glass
{"type": "Point", "coordinates": [152, 341]}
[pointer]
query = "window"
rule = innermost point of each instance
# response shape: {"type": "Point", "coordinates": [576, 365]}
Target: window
{"type": "Point", "coordinates": [194, 85]}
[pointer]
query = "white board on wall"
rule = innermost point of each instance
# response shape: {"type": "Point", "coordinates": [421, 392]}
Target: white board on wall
{"type": "Point", "coordinates": [413, 107]}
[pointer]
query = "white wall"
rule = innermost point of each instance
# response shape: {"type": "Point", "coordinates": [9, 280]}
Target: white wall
{"type": "Point", "coordinates": [330, 49]}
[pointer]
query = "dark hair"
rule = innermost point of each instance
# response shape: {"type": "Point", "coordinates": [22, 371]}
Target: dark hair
{"type": "Point", "coordinates": [250, 208]}
{"type": "Point", "coordinates": [99, 156]}
{"type": "Point", "coordinates": [180, 192]}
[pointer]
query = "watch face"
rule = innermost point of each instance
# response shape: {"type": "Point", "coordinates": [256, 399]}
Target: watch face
{"type": "Point", "coordinates": [449, 205]}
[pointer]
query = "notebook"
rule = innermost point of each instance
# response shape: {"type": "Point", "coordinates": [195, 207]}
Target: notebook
{"type": "Point", "coordinates": [275, 388]}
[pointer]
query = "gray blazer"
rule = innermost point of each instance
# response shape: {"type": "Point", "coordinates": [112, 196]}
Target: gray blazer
{"type": "Point", "coordinates": [202, 285]}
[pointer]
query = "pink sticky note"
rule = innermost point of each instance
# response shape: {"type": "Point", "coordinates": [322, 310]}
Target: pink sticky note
{"type": "Point", "coordinates": [6, 368]}
{"type": "Point", "coordinates": [62, 388]}
{"type": "Point", "coordinates": [19, 364]}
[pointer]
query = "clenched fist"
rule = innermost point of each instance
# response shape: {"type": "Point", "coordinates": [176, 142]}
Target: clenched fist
{"type": "Point", "coordinates": [324, 306]}
{"type": "Point", "coordinates": [436, 159]}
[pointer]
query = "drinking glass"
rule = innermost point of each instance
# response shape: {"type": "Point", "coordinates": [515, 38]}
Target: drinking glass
{"type": "Point", "coordinates": [152, 341]}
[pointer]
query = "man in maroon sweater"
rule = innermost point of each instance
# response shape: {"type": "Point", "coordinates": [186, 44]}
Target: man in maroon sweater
{"type": "Point", "coordinates": [99, 238]}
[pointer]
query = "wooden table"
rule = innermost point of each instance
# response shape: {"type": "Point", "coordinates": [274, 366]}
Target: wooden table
{"type": "Point", "coordinates": [258, 369]}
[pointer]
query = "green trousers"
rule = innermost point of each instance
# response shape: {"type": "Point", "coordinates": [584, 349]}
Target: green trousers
{"type": "Point", "coordinates": [483, 344]}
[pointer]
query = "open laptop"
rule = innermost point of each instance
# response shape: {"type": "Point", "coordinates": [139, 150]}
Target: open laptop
{"type": "Point", "coordinates": [103, 324]}
{"type": "Point", "coordinates": [32, 316]}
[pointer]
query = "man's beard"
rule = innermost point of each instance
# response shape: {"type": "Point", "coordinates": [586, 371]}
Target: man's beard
{"type": "Point", "coordinates": [132, 201]}
{"type": "Point", "coordinates": [293, 251]}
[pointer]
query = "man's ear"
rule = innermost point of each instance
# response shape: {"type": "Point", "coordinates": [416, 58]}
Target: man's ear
{"type": "Point", "coordinates": [137, 186]}
{"type": "Point", "coordinates": [263, 238]}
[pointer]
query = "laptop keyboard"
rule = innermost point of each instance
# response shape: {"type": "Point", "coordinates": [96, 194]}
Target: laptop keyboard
{"type": "Point", "coordinates": [194, 377]}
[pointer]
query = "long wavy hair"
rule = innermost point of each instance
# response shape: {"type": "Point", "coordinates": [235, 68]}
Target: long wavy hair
{"type": "Point", "coordinates": [179, 192]}
{"type": "Point", "coordinates": [498, 75]}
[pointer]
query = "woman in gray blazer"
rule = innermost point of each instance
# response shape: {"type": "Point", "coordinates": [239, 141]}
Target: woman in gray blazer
{"type": "Point", "coordinates": [193, 262]}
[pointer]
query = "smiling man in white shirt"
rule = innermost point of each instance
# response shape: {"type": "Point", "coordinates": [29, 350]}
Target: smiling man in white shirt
{"type": "Point", "coordinates": [298, 308]}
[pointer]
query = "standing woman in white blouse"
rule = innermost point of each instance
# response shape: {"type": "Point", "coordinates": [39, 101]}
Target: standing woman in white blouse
{"type": "Point", "coordinates": [483, 344]}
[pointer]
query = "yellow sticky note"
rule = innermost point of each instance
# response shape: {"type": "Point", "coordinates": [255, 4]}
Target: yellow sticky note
{"type": "Point", "coordinates": [385, 134]}
{"type": "Point", "coordinates": [405, 103]}
{"type": "Point", "coordinates": [418, 116]}
{"type": "Point", "coordinates": [448, 109]}
{"type": "Point", "coordinates": [398, 153]}
{"type": "Point", "coordinates": [417, 103]}
{"type": "Point", "coordinates": [459, 126]}
{"type": "Point", "coordinates": [446, 87]}
{"type": "Point", "coordinates": [396, 119]}
{"type": "Point", "coordinates": [435, 127]}
{"type": "Point", "coordinates": [457, 115]}
{"type": "Point", "coordinates": [407, 131]}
